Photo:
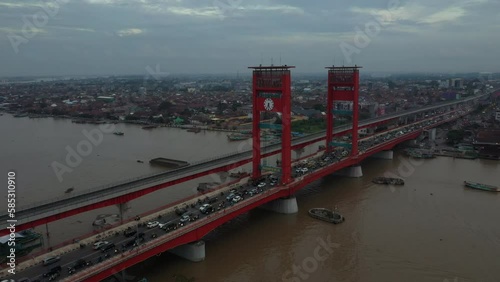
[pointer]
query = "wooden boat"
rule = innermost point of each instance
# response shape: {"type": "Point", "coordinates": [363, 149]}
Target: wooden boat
{"type": "Point", "coordinates": [388, 181]}
{"type": "Point", "coordinates": [481, 186]}
{"type": "Point", "coordinates": [119, 133]}
{"type": "Point", "coordinates": [326, 215]}
{"type": "Point", "coordinates": [194, 129]}
{"type": "Point", "coordinates": [237, 137]}
{"type": "Point", "coordinates": [239, 174]}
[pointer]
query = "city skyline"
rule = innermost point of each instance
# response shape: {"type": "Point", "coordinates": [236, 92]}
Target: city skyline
{"type": "Point", "coordinates": [114, 37]}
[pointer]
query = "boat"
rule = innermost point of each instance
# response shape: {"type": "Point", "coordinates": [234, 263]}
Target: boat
{"type": "Point", "coordinates": [420, 154]}
{"type": "Point", "coordinates": [481, 186]}
{"type": "Point", "coordinates": [149, 127]}
{"type": "Point", "coordinates": [139, 161]}
{"type": "Point", "coordinates": [388, 180]}
{"type": "Point", "coordinates": [239, 174]}
{"type": "Point", "coordinates": [119, 133]}
{"type": "Point", "coordinates": [327, 215]}
{"type": "Point", "coordinates": [20, 115]}
{"type": "Point", "coordinates": [69, 190]}
{"type": "Point", "coordinates": [194, 129]}
{"type": "Point", "coordinates": [237, 137]}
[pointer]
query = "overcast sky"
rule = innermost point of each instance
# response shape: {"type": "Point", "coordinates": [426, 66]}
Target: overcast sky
{"type": "Point", "coordinates": [73, 37]}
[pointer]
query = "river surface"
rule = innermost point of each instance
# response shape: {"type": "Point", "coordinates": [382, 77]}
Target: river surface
{"type": "Point", "coordinates": [430, 229]}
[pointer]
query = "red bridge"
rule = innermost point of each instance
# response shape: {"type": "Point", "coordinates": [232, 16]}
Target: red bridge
{"type": "Point", "coordinates": [271, 93]}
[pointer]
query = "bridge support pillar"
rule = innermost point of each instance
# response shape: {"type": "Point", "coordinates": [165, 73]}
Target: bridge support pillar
{"type": "Point", "coordinates": [352, 171]}
{"type": "Point", "coordinates": [283, 205]}
{"type": "Point", "coordinates": [432, 134]}
{"type": "Point", "coordinates": [223, 176]}
{"type": "Point", "coordinates": [194, 252]}
{"type": "Point", "coordinates": [298, 152]}
{"type": "Point", "coordinates": [385, 155]}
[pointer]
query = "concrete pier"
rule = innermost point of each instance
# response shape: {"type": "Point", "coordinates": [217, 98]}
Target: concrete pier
{"type": "Point", "coordinates": [353, 171]}
{"type": "Point", "coordinates": [385, 155]}
{"type": "Point", "coordinates": [283, 205]}
{"type": "Point", "coordinates": [194, 252]}
{"type": "Point", "coordinates": [432, 134]}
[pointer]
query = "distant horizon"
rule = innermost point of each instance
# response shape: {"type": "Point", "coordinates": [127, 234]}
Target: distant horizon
{"type": "Point", "coordinates": [241, 74]}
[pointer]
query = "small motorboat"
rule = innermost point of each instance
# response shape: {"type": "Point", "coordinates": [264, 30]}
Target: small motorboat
{"type": "Point", "coordinates": [481, 186]}
{"type": "Point", "coordinates": [327, 215]}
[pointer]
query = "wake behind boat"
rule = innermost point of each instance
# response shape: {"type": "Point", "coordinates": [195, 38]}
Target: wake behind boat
{"type": "Point", "coordinates": [481, 186]}
{"type": "Point", "coordinates": [326, 215]}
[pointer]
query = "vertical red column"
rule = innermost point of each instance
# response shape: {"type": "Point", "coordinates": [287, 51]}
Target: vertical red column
{"type": "Point", "coordinates": [329, 113]}
{"type": "Point", "coordinates": [355, 113]}
{"type": "Point", "coordinates": [255, 130]}
{"type": "Point", "coordinates": [286, 129]}
{"type": "Point", "coordinates": [272, 93]}
{"type": "Point", "coordinates": [343, 86]}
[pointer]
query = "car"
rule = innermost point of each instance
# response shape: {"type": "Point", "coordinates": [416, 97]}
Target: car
{"type": "Point", "coordinates": [185, 218]}
{"type": "Point", "coordinates": [99, 244]}
{"type": "Point", "coordinates": [54, 276]}
{"type": "Point", "coordinates": [170, 227]}
{"type": "Point", "coordinates": [261, 185]}
{"type": "Point", "coordinates": [153, 224]}
{"type": "Point", "coordinates": [236, 199]}
{"type": "Point", "coordinates": [51, 260]}
{"type": "Point", "coordinates": [162, 225]}
{"type": "Point", "coordinates": [232, 190]}
{"type": "Point", "coordinates": [204, 207]}
{"type": "Point", "coordinates": [128, 244]}
{"type": "Point", "coordinates": [107, 247]}
{"type": "Point", "coordinates": [52, 271]}
{"type": "Point", "coordinates": [81, 263]}
{"type": "Point", "coordinates": [209, 209]}
{"type": "Point", "coordinates": [129, 232]}
{"type": "Point", "coordinates": [230, 197]}
{"type": "Point", "coordinates": [180, 211]}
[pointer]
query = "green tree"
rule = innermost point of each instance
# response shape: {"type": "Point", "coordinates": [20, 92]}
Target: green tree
{"type": "Point", "coordinates": [455, 136]}
{"type": "Point", "coordinates": [165, 106]}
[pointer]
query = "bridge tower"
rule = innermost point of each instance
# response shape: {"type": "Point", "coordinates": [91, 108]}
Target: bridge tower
{"type": "Point", "coordinates": [343, 100]}
{"type": "Point", "coordinates": [272, 93]}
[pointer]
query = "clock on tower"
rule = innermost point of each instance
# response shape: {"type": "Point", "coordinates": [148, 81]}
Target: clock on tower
{"type": "Point", "coordinates": [268, 104]}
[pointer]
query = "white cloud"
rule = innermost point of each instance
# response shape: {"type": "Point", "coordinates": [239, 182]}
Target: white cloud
{"type": "Point", "coordinates": [129, 32]}
{"type": "Point", "coordinates": [450, 14]}
{"type": "Point", "coordinates": [11, 30]}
